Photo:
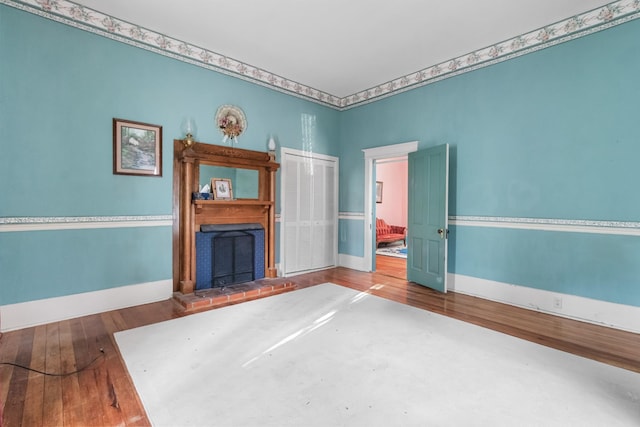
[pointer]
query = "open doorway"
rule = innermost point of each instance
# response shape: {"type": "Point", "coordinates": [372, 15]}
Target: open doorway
{"type": "Point", "coordinates": [373, 156]}
{"type": "Point", "coordinates": [391, 216]}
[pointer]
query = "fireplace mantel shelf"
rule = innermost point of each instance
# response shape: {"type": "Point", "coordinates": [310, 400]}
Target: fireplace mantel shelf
{"type": "Point", "coordinates": [234, 202]}
{"type": "Point", "coordinates": [201, 205]}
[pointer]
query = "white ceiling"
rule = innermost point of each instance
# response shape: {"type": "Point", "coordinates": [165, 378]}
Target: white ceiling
{"type": "Point", "coordinates": [342, 46]}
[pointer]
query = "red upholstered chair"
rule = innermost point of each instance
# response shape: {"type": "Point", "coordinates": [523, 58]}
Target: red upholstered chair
{"type": "Point", "coordinates": [386, 233]}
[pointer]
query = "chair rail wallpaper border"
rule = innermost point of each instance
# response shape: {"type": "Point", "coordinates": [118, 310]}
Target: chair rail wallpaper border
{"type": "Point", "coordinates": [627, 228]}
{"type": "Point", "coordinates": [13, 224]}
{"type": "Point", "coordinates": [351, 215]}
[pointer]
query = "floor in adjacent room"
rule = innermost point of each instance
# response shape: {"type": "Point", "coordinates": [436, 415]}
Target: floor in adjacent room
{"type": "Point", "coordinates": [391, 266]}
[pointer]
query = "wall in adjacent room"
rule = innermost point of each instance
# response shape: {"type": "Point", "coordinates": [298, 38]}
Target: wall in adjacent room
{"type": "Point", "coordinates": [393, 176]}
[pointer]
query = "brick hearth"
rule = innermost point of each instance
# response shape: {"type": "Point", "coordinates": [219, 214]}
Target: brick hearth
{"type": "Point", "coordinates": [232, 294]}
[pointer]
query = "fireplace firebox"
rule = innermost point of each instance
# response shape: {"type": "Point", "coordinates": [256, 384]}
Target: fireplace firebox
{"type": "Point", "coordinates": [227, 254]}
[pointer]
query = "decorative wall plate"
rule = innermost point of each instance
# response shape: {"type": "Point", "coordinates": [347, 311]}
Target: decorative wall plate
{"type": "Point", "coordinates": [231, 121]}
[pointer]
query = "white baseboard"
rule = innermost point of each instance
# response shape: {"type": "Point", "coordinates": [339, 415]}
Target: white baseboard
{"type": "Point", "coordinates": [347, 261]}
{"type": "Point", "coordinates": [353, 262]}
{"type": "Point", "coordinates": [39, 312]}
{"type": "Point", "coordinates": [619, 316]}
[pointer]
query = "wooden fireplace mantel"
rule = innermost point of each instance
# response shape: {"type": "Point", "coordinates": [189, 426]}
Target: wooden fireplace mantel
{"type": "Point", "coordinates": [189, 215]}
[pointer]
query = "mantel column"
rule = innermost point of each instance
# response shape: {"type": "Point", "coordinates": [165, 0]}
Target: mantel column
{"type": "Point", "coordinates": [186, 236]}
{"type": "Point", "coordinates": [271, 253]}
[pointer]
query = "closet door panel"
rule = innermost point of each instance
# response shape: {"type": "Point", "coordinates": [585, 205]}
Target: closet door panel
{"type": "Point", "coordinates": [305, 244]}
{"type": "Point", "coordinates": [310, 217]}
{"type": "Point", "coordinates": [291, 212]}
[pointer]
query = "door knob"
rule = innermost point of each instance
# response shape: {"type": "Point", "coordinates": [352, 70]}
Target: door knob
{"type": "Point", "coordinates": [441, 233]}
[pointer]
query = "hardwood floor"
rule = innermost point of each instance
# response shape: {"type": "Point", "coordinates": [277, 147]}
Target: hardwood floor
{"type": "Point", "coordinates": [103, 393]}
{"type": "Point", "coordinates": [391, 266]}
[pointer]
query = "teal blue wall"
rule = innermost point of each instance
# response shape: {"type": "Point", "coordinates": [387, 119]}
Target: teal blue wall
{"type": "Point", "coordinates": [60, 88]}
{"type": "Point", "coordinates": [552, 134]}
{"type": "Point", "coordinates": [598, 266]}
{"type": "Point", "coordinates": [351, 237]}
{"type": "Point", "coordinates": [44, 264]}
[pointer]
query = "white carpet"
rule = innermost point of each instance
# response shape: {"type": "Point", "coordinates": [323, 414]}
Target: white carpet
{"type": "Point", "coordinates": [331, 356]}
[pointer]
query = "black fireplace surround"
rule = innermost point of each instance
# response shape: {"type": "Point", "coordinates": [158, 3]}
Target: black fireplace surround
{"type": "Point", "coordinates": [227, 254]}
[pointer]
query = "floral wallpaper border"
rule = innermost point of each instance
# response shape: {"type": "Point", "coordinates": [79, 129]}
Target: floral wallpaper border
{"type": "Point", "coordinates": [87, 19]}
{"type": "Point", "coordinates": [624, 228]}
{"type": "Point", "coordinates": [547, 221]}
{"type": "Point", "coordinates": [627, 228]}
{"type": "Point", "coordinates": [80, 219]}
{"type": "Point", "coordinates": [577, 26]}
{"type": "Point", "coordinates": [17, 224]}
{"type": "Point", "coordinates": [611, 228]}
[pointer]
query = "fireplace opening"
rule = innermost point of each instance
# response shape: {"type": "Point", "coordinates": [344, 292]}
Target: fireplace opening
{"type": "Point", "coordinates": [232, 258]}
{"type": "Point", "coordinates": [227, 254]}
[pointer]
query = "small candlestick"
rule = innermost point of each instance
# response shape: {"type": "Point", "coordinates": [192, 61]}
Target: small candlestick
{"type": "Point", "coordinates": [189, 130]}
{"type": "Point", "coordinates": [271, 145]}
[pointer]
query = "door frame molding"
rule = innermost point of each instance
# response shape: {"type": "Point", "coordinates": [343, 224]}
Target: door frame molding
{"type": "Point", "coordinates": [284, 151]}
{"type": "Point", "coordinates": [371, 155]}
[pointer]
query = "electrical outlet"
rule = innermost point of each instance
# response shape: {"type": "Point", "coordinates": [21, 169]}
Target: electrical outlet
{"type": "Point", "coordinates": [557, 302]}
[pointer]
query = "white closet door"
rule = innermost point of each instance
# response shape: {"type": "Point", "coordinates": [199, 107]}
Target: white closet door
{"type": "Point", "coordinates": [309, 216]}
{"type": "Point", "coordinates": [290, 213]}
{"type": "Point", "coordinates": [324, 221]}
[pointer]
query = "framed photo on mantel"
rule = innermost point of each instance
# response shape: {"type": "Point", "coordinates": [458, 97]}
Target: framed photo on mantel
{"type": "Point", "coordinates": [221, 188]}
{"type": "Point", "coordinates": [137, 148]}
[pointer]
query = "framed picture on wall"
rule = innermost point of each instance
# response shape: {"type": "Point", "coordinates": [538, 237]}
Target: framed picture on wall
{"type": "Point", "coordinates": [137, 148]}
{"type": "Point", "coordinates": [221, 188]}
{"type": "Point", "coordinates": [378, 191]}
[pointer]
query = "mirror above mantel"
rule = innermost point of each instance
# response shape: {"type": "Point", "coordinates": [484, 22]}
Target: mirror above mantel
{"type": "Point", "coordinates": [245, 182]}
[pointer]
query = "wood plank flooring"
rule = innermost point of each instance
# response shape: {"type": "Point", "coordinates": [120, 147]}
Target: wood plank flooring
{"type": "Point", "coordinates": [391, 266]}
{"type": "Point", "coordinates": [103, 394]}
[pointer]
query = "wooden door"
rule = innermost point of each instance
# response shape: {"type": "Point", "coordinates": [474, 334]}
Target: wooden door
{"type": "Point", "coordinates": [428, 217]}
